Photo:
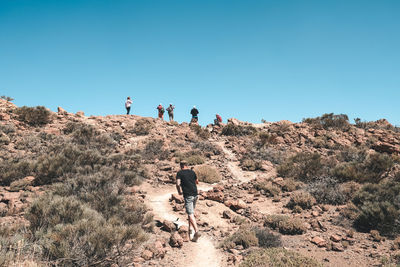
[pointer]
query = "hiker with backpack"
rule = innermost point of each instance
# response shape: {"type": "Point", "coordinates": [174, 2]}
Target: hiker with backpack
{"type": "Point", "coordinates": [194, 113]}
{"type": "Point", "coordinates": [170, 110]}
{"type": "Point", "coordinates": [161, 111]}
{"type": "Point", "coordinates": [128, 104]}
{"type": "Point", "coordinates": [217, 120]}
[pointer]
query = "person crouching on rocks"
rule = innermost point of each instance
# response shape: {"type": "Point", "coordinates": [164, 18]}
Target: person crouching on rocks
{"type": "Point", "coordinates": [186, 184]}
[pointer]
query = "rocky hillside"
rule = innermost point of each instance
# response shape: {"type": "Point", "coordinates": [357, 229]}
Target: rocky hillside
{"type": "Point", "coordinates": [83, 191]}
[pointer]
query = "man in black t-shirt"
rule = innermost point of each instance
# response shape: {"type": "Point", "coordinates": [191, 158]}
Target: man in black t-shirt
{"type": "Point", "coordinates": [186, 184]}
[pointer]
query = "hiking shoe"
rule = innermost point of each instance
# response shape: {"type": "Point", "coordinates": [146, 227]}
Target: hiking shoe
{"type": "Point", "coordinates": [196, 236]}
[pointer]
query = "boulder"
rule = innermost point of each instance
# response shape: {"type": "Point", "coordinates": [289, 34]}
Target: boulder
{"type": "Point", "coordinates": [226, 214]}
{"type": "Point", "coordinates": [80, 114]}
{"type": "Point", "coordinates": [320, 242]}
{"type": "Point", "coordinates": [176, 240]}
{"type": "Point", "coordinates": [147, 254]}
{"type": "Point", "coordinates": [238, 204]}
{"type": "Point", "coordinates": [335, 238]}
{"type": "Point", "coordinates": [216, 196]}
{"type": "Point", "coordinates": [168, 226]}
{"type": "Point", "coordinates": [177, 198]}
{"type": "Point", "coordinates": [61, 111]}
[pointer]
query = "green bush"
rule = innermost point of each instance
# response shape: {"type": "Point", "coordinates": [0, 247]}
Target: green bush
{"type": "Point", "coordinates": [285, 224]}
{"type": "Point", "coordinates": [301, 199]}
{"type": "Point", "coordinates": [379, 208]}
{"type": "Point", "coordinates": [238, 130]}
{"type": "Point", "coordinates": [368, 170]}
{"type": "Point", "coordinates": [34, 116]}
{"type": "Point", "coordinates": [303, 166]}
{"type": "Point", "coordinates": [207, 174]}
{"type": "Point", "coordinates": [278, 257]}
{"type": "Point", "coordinates": [330, 121]}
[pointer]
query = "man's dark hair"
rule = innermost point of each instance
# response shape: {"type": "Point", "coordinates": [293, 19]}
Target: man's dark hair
{"type": "Point", "coordinates": [183, 163]}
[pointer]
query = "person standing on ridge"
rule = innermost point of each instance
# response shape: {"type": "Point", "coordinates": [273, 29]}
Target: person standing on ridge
{"type": "Point", "coordinates": [218, 120]}
{"type": "Point", "coordinates": [128, 104]}
{"type": "Point", "coordinates": [170, 110]}
{"type": "Point", "coordinates": [194, 113]}
{"type": "Point", "coordinates": [161, 111]}
{"type": "Point", "coordinates": [186, 184]}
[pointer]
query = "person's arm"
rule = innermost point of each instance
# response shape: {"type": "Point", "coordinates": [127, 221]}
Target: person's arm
{"type": "Point", "coordinates": [178, 185]}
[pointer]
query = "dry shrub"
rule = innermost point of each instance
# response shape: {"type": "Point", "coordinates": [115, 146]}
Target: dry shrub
{"type": "Point", "coordinates": [290, 185]}
{"type": "Point", "coordinates": [266, 239]}
{"type": "Point", "coordinates": [244, 236]}
{"type": "Point", "coordinates": [328, 190]}
{"type": "Point", "coordinates": [142, 127]}
{"type": "Point", "coordinates": [206, 147]}
{"type": "Point", "coordinates": [86, 134]}
{"type": "Point", "coordinates": [301, 199]}
{"type": "Point", "coordinates": [303, 166]}
{"type": "Point", "coordinates": [266, 139]}
{"type": "Point", "coordinates": [34, 116]}
{"type": "Point", "coordinates": [155, 150]}
{"type": "Point", "coordinates": [207, 174]}
{"type": "Point", "coordinates": [238, 130]}
{"type": "Point", "coordinates": [15, 169]}
{"type": "Point", "coordinates": [277, 257]}
{"type": "Point", "coordinates": [250, 164]}
{"type": "Point", "coordinates": [285, 224]}
{"type": "Point", "coordinates": [71, 233]}
{"type": "Point", "coordinates": [200, 132]}
{"type": "Point", "coordinates": [267, 188]}
{"type": "Point", "coordinates": [330, 121]}
{"type": "Point", "coordinates": [192, 157]}
{"type": "Point", "coordinates": [8, 129]}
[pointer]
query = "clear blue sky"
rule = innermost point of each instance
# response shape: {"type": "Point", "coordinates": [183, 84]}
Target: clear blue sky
{"type": "Point", "coordinates": [246, 59]}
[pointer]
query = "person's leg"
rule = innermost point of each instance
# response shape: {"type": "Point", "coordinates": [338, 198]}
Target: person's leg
{"type": "Point", "coordinates": [127, 110]}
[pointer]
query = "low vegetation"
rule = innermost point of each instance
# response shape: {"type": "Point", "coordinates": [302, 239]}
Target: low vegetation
{"type": "Point", "coordinates": [277, 257]}
{"type": "Point", "coordinates": [379, 208]}
{"type": "Point", "coordinates": [200, 132]}
{"type": "Point", "coordinates": [285, 224]}
{"type": "Point", "coordinates": [330, 121]}
{"type": "Point", "coordinates": [238, 130]}
{"type": "Point", "coordinates": [34, 116]}
{"type": "Point", "coordinates": [207, 174]}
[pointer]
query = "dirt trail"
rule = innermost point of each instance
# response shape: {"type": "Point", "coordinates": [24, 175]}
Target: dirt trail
{"type": "Point", "coordinates": [233, 166]}
{"type": "Point", "coordinates": [201, 253]}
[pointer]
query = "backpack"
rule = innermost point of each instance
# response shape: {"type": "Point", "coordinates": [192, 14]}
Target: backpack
{"type": "Point", "coordinates": [162, 110]}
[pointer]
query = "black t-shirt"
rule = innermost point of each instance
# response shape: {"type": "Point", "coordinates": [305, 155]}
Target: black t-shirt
{"type": "Point", "coordinates": [194, 112]}
{"type": "Point", "coordinates": [188, 182]}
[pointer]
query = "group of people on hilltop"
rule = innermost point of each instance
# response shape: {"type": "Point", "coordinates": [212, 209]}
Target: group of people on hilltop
{"type": "Point", "coordinates": [170, 109]}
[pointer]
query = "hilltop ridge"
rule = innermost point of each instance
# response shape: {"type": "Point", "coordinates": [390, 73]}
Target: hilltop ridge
{"type": "Point", "coordinates": [322, 191]}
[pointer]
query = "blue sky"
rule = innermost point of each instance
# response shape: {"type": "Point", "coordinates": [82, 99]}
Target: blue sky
{"type": "Point", "coordinates": [251, 60]}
